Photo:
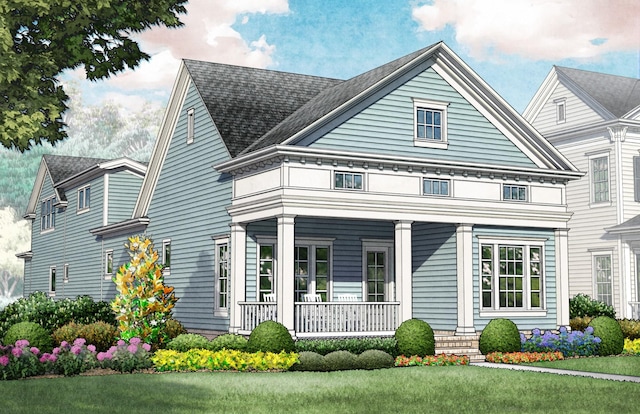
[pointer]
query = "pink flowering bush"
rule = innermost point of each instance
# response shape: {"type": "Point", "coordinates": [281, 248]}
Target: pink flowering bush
{"type": "Point", "coordinates": [74, 358]}
{"type": "Point", "coordinates": [21, 361]}
{"type": "Point", "coordinates": [127, 357]}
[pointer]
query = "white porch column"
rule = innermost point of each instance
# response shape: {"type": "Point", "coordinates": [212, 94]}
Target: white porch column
{"type": "Point", "coordinates": [464, 262]}
{"type": "Point", "coordinates": [403, 274]}
{"type": "Point", "coordinates": [562, 277]}
{"type": "Point", "coordinates": [238, 274]}
{"type": "Point", "coordinates": [284, 271]}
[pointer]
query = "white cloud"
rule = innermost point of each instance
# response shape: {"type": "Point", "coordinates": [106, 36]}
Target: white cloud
{"type": "Point", "coordinates": [537, 30]}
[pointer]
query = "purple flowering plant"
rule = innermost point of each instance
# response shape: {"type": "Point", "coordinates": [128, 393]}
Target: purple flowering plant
{"type": "Point", "coordinates": [74, 358]}
{"type": "Point", "coordinates": [574, 343]}
{"type": "Point", "coordinates": [127, 356]}
{"type": "Point", "coordinates": [20, 361]}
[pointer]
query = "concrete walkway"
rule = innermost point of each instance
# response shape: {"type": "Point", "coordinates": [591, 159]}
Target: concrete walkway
{"type": "Point", "coordinates": [598, 375]}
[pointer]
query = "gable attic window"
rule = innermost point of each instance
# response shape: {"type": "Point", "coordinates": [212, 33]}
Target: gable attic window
{"type": "Point", "coordinates": [561, 111]}
{"type": "Point", "coordinates": [84, 198]}
{"type": "Point", "coordinates": [191, 124]}
{"type": "Point", "coordinates": [430, 124]}
{"type": "Point", "coordinates": [48, 214]}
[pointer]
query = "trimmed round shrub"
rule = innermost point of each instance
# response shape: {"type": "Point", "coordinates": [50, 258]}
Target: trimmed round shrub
{"type": "Point", "coordinates": [173, 328]}
{"type": "Point", "coordinates": [500, 335]}
{"type": "Point", "coordinates": [270, 336]}
{"type": "Point", "coordinates": [630, 328]}
{"type": "Point", "coordinates": [101, 334]}
{"type": "Point", "coordinates": [610, 334]}
{"type": "Point", "coordinates": [68, 332]}
{"type": "Point", "coordinates": [185, 342]}
{"type": "Point", "coordinates": [415, 337]}
{"type": "Point", "coordinates": [32, 332]}
{"type": "Point", "coordinates": [228, 341]}
{"type": "Point", "coordinates": [309, 361]}
{"type": "Point", "coordinates": [341, 361]}
{"type": "Point", "coordinates": [375, 359]}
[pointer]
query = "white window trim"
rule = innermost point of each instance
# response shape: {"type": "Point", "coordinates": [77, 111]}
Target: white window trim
{"type": "Point", "coordinates": [217, 309]}
{"type": "Point", "coordinates": [166, 269]}
{"type": "Point", "coordinates": [312, 243]}
{"type": "Point", "coordinates": [437, 105]}
{"type": "Point", "coordinates": [592, 157]}
{"type": "Point", "coordinates": [389, 282]}
{"type": "Point", "coordinates": [450, 182]}
{"type": "Point", "coordinates": [52, 276]}
{"type": "Point", "coordinates": [526, 193]}
{"type": "Point", "coordinates": [52, 214]}
{"type": "Point", "coordinates": [65, 273]}
{"type": "Point", "coordinates": [350, 173]}
{"type": "Point", "coordinates": [561, 104]}
{"type": "Point", "coordinates": [84, 208]}
{"type": "Point", "coordinates": [191, 124]}
{"type": "Point", "coordinates": [108, 275]}
{"type": "Point", "coordinates": [266, 240]}
{"type": "Point", "coordinates": [496, 311]}
{"type": "Point", "coordinates": [600, 253]}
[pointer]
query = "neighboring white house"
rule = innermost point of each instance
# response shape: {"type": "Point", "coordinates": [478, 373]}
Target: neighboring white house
{"type": "Point", "coordinates": [594, 120]}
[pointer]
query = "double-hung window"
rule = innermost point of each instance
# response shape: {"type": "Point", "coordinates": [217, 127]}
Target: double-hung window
{"type": "Point", "coordinates": [52, 281]}
{"type": "Point", "coordinates": [599, 179]}
{"type": "Point", "coordinates": [84, 198]}
{"type": "Point", "coordinates": [166, 256]}
{"type": "Point", "coordinates": [223, 273]}
{"type": "Point", "coordinates": [48, 214]}
{"type": "Point", "coordinates": [430, 124]}
{"type": "Point", "coordinates": [266, 269]}
{"type": "Point", "coordinates": [602, 278]}
{"type": "Point", "coordinates": [312, 261]}
{"type": "Point", "coordinates": [348, 181]}
{"type": "Point", "coordinates": [108, 264]}
{"type": "Point", "coordinates": [512, 275]}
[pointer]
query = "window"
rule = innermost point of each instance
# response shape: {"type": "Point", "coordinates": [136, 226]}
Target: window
{"type": "Point", "coordinates": [514, 192]}
{"type": "Point", "coordinates": [377, 271]}
{"type": "Point", "coordinates": [512, 276]}
{"type": "Point", "coordinates": [84, 198]}
{"type": "Point", "coordinates": [52, 281]}
{"type": "Point", "coordinates": [430, 124]}
{"type": "Point", "coordinates": [48, 214]}
{"type": "Point", "coordinates": [561, 111]}
{"type": "Point", "coordinates": [603, 281]}
{"type": "Point", "coordinates": [348, 181]}
{"type": "Point", "coordinates": [312, 271]}
{"type": "Point", "coordinates": [191, 123]}
{"type": "Point", "coordinates": [636, 178]}
{"type": "Point", "coordinates": [266, 270]}
{"type": "Point", "coordinates": [600, 179]}
{"type": "Point", "coordinates": [432, 186]}
{"type": "Point", "coordinates": [108, 264]}
{"type": "Point", "coordinates": [65, 273]}
{"type": "Point", "coordinates": [222, 276]}
{"type": "Point", "coordinates": [166, 255]}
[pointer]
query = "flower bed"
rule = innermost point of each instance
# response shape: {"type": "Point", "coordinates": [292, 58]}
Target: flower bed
{"type": "Point", "coordinates": [575, 343]}
{"type": "Point", "coordinates": [202, 359]}
{"type": "Point", "coordinates": [523, 357]}
{"type": "Point", "coordinates": [431, 360]}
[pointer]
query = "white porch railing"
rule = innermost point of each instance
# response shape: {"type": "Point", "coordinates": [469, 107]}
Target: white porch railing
{"type": "Point", "coordinates": [328, 318]}
{"type": "Point", "coordinates": [635, 310]}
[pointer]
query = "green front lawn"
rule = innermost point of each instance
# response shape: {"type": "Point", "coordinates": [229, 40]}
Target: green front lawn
{"type": "Point", "coordinates": [621, 365]}
{"type": "Point", "coordinates": [399, 390]}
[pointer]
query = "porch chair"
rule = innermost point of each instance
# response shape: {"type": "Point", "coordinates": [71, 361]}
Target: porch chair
{"type": "Point", "coordinates": [311, 298]}
{"type": "Point", "coordinates": [347, 297]}
{"type": "Point", "coordinates": [269, 297]}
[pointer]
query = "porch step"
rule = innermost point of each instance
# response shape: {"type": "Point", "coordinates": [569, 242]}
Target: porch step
{"type": "Point", "coordinates": [459, 345]}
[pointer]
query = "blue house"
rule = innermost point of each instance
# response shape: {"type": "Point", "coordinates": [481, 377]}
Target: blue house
{"type": "Point", "coordinates": [342, 208]}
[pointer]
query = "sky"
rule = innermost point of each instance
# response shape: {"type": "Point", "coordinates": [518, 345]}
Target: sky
{"type": "Point", "coordinates": [511, 44]}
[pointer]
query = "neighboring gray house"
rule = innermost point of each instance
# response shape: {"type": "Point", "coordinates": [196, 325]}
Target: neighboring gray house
{"type": "Point", "coordinates": [594, 120]}
{"type": "Point", "coordinates": [345, 207]}
{"type": "Point", "coordinates": [72, 195]}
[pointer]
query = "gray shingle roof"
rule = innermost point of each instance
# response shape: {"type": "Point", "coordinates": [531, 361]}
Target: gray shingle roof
{"type": "Point", "coordinates": [62, 167]}
{"type": "Point", "coordinates": [617, 94]}
{"type": "Point", "coordinates": [245, 103]}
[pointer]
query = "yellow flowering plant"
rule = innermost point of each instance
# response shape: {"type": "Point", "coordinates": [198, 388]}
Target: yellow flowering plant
{"type": "Point", "coordinates": [224, 360]}
{"type": "Point", "coordinates": [143, 303]}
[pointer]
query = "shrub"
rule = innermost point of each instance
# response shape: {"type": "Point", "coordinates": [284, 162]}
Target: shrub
{"type": "Point", "coordinates": [630, 328]}
{"type": "Point", "coordinates": [353, 345]}
{"type": "Point", "coordinates": [375, 359]}
{"type": "Point", "coordinates": [228, 341]}
{"type": "Point", "coordinates": [130, 356]}
{"type": "Point", "coordinates": [341, 360]}
{"type": "Point", "coordinates": [610, 334]}
{"type": "Point", "coordinates": [68, 333]}
{"type": "Point", "coordinates": [631, 346]}
{"type": "Point", "coordinates": [580, 323]}
{"type": "Point", "coordinates": [173, 328]}
{"type": "Point", "coordinates": [415, 337]}
{"type": "Point", "coordinates": [500, 335]}
{"type": "Point", "coordinates": [199, 359]}
{"type": "Point", "coordinates": [431, 360]}
{"type": "Point", "coordinates": [32, 332]}
{"type": "Point", "coordinates": [310, 361]}
{"type": "Point", "coordinates": [185, 342]}
{"type": "Point", "coordinates": [582, 305]}
{"type": "Point", "coordinates": [270, 336]}
{"type": "Point", "coordinates": [100, 334]}
{"type": "Point", "coordinates": [576, 343]}
{"type": "Point", "coordinates": [75, 358]}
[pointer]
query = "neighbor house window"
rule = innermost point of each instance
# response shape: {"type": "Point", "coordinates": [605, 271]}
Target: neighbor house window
{"type": "Point", "coordinates": [600, 179]}
{"type": "Point", "coordinates": [432, 186]}
{"type": "Point", "coordinates": [636, 179]}
{"type": "Point", "coordinates": [430, 123]}
{"type": "Point", "coordinates": [561, 111]}
{"type": "Point", "coordinates": [514, 192]}
{"type": "Point", "coordinates": [603, 280]}
{"type": "Point", "coordinates": [48, 214]}
{"type": "Point", "coordinates": [223, 273]}
{"type": "Point", "coordinates": [266, 270]}
{"type": "Point", "coordinates": [166, 255]}
{"type": "Point", "coordinates": [191, 124]}
{"type": "Point", "coordinates": [348, 181]}
{"type": "Point", "coordinates": [65, 273]}
{"type": "Point", "coordinates": [512, 276]}
{"type": "Point", "coordinates": [108, 264]}
{"type": "Point", "coordinates": [52, 281]}
{"type": "Point", "coordinates": [312, 270]}
{"type": "Point", "coordinates": [84, 198]}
